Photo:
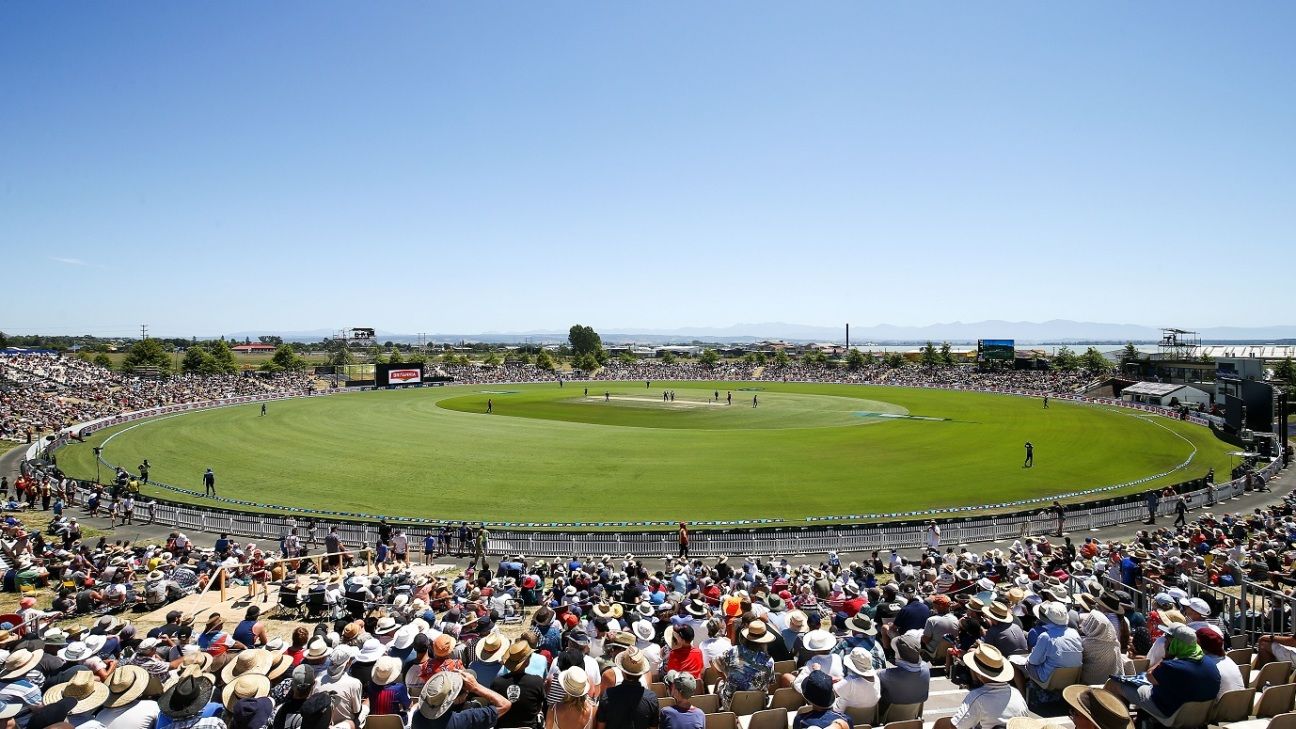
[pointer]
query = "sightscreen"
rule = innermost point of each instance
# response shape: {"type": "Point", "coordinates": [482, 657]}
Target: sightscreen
{"type": "Point", "coordinates": [398, 374]}
{"type": "Point", "coordinates": [996, 350]}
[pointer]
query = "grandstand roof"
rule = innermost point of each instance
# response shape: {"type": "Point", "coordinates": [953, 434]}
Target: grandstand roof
{"type": "Point", "coordinates": [1153, 389]}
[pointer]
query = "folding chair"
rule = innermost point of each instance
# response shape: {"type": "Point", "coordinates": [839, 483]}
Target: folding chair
{"type": "Point", "coordinates": [722, 720]}
{"type": "Point", "coordinates": [1275, 700]}
{"type": "Point", "coordinates": [658, 688]}
{"type": "Point", "coordinates": [1139, 665]}
{"type": "Point", "coordinates": [1283, 721]}
{"type": "Point", "coordinates": [1232, 706]}
{"type": "Point", "coordinates": [1060, 679]}
{"type": "Point", "coordinates": [907, 724]}
{"type": "Point", "coordinates": [747, 702]}
{"type": "Point", "coordinates": [1272, 674]}
{"type": "Point", "coordinates": [787, 698]}
{"type": "Point", "coordinates": [1240, 656]}
{"type": "Point", "coordinates": [767, 719]}
{"type": "Point", "coordinates": [708, 703]}
{"type": "Point", "coordinates": [1191, 714]}
{"type": "Point", "coordinates": [900, 713]}
{"type": "Point", "coordinates": [782, 667]}
{"type": "Point", "coordinates": [665, 701]}
{"type": "Point", "coordinates": [384, 721]}
{"type": "Point", "coordinates": [861, 714]}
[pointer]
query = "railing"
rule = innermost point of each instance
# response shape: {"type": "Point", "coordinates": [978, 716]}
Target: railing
{"type": "Point", "coordinates": [766, 541]}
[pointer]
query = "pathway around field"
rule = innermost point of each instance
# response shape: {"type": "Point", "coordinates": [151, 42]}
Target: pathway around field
{"type": "Point", "coordinates": [157, 533]}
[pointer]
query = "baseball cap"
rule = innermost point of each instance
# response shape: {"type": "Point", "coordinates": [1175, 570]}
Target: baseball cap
{"type": "Point", "coordinates": [1197, 605]}
{"type": "Point", "coordinates": [682, 682]}
{"type": "Point", "coordinates": [303, 678]}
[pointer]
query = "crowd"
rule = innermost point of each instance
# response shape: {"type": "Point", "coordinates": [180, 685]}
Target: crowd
{"type": "Point", "coordinates": [614, 641]}
{"type": "Point", "coordinates": [911, 375]}
{"type": "Point", "coordinates": [41, 393]}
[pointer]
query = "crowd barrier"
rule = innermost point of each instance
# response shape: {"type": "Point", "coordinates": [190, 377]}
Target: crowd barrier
{"type": "Point", "coordinates": [754, 540]}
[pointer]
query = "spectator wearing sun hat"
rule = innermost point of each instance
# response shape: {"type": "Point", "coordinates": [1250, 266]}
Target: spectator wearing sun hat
{"type": "Point", "coordinates": [909, 681]}
{"type": "Point", "coordinates": [1058, 646]}
{"type": "Point", "coordinates": [747, 666]}
{"type": "Point", "coordinates": [386, 691]}
{"type": "Point", "coordinates": [247, 702]}
{"type": "Point", "coordinates": [16, 684]}
{"type": "Point", "coordinates": [346, 690]}
{"type": "Point", "coordinates": [132, 699]}
{"type": "Point", "coordinates": [994, 701]}
{"type": "Point", "coordinates": [629, 704]}
{"type": "Point", "coordinates": [861, 632]}
{"type": "Point", "coordinates": [442, 703]}
{"type": "Point", "coordinates": [819, 695]}
{"type": "Point", "coordinates": [859, 687]}
{"type": "Point", "coordinates": [525, 690]}
{"type": "Point", "coordinates": [1212, 644]}
{"type": "Point", "coordinates": [488, 657]}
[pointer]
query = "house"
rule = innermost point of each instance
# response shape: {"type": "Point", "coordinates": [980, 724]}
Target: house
{"type": "Point", "coordinates": [256, 348]}
{"type": "Point", "coordinates": [1165, 394]}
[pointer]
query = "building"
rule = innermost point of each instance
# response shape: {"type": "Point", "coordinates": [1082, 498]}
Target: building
{"type": "Point", "coordinates": [257, 348]}
{"type": "Point", "coordinates": [1165, 394]}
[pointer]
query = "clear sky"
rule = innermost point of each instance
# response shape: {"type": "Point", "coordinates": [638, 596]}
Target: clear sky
{"type": "Point", "coordinates": [461, 167]}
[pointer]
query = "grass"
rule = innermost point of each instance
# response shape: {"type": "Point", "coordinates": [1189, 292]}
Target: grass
{"type": "Point", "coordinates": [552, 454]}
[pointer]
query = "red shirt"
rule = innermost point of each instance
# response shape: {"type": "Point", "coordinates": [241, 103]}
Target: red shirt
{"type": "Point", "coordinates": [686, 659]}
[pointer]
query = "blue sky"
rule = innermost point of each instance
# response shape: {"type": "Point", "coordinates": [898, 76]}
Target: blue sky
{"type": "Point", "coordinates": [415, 166]}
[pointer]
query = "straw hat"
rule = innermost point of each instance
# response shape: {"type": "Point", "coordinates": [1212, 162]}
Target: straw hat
{"type": "Point", "coordinates": [88, 693]}
{"type": "Point", "coordinates": [519, 655]}
{"type": "Point", "coordinates": [126, 684]}
{"type": "Point", "coordinates": [440, 692]}
{"type": "Point", "coordinates": [574, 681]}
{"type": "Point", "coordinates": [491, 649]}
{"type": "Point", "coordinates": [998, 612]}
{"type": "Point", "coordinates": [283, 663]}
{"type": "Point", "coordinates": [317, 649]}
{"type": "Point", "coordinates": [247, 686]}
{"type": "Point", "coordinates": [632, 662]}
{"type": "Point", "coordinates": [386, 625]}
{"type": "Point", "coordinates": [757, 632]}
{"type": "Point", "coordinates": [797, 621]}
{"type": "Point", "coordinates": [386, 670]}
{"type": "Point", "coordinates": [988, 663]}
{"type": "Point", "coordinates": [19, 664]}
{"type": "Point", "coordinates": [1103, 708]}
{"type": "Point", "coordinates": [255, 660]}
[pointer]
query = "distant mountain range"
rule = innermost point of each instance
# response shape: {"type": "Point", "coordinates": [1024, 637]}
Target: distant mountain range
{"type": "Point", "coordinates": [1056, 331]}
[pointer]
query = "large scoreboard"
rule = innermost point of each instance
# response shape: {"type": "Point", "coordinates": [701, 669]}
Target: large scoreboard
{"type": "Point", "coordinates": [398, 374]}
{"type": "Point", "coordinates": [996, 350]}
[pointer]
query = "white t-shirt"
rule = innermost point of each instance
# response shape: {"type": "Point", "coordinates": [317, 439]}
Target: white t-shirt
{"type": "Point", "coordinates": [139, 715]}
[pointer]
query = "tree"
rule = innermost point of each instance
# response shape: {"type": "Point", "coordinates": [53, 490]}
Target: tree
{"type": "Point", "coordinates": [223, 357]}
{"type": "Point", "coordinates": [760, 359]}
{"type": "Point", "coordinates": [854, 359]}
{"type": "Point", "coordinates": [198, 361]}
{"type": "Point", "coordinates": [709, 358]}
{"type": "Point", "coordinates": [1129, 354]}
{"type": "Point", "coordinates": [103, 361]}
{"type": "Point", "coordinates": [626, 357]}
{"type": "Point", "coordinates": [946, 354]}
{"type": "Point", "coordinates": [342, 357]}
{"type": "Point", "coordinates": [395, 355]}
{"type": "Point", "coordinates": [586, 362]}
{"type": "Point", "coordinates": [1285, 371]}
{"type": "Point", "coordinates": [869, 359]}
{"type": "Point", "coordinates": [1095, 362]}
{"type": "Point", "coordinates": [894, 360]}
{"type": "Point", "coordinates": [668, 358]}
{"type": "Point", "coordinates": [545, 361]}
{"type": "Point", "coordinates": [4, 341]}
{"type": "Point", "coordinates": [781, 358]}
{"type": "Point", "coordinates": [492, 360]}
{"type": "Point", "coordinates": [930, 358]}
{"type": "Point", "coordinates": [584, 340]}
{"type": "Point", "coordinates": [287, 360]}
{"type": "Point", "coordinates": [271, 339]}
{"type": "Point", "coordinates": [147, 353]}
{"type": "Point", "coordinates": [1065, 359]}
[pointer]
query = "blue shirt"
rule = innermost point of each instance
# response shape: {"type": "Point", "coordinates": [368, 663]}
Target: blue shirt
{"type": "Point", "coordinates": [819, 718]}
{"type": "Point", "coordinates": [673, 718]}
{"type": "Point", "coordinates": [1058, 646]}
{"type": "Point", "coordinates": [1179, 681]}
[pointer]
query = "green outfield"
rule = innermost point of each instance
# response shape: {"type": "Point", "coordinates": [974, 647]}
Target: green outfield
{"type": "Point", "coordinates": [622, 453]}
